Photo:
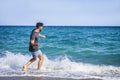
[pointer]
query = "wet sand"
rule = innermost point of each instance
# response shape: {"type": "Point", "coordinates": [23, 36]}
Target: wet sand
{"type": "Point", "coordinates": [40, 78]}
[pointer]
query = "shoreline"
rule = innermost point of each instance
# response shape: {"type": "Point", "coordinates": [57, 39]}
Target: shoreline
{"type": "Point", "coordinates": [40, 78]}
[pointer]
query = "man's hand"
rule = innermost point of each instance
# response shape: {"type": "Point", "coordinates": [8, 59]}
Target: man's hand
{"type": "Point", "coordinates": [43, 36]}
{"type": "Point", "coordinates": [36, 44]}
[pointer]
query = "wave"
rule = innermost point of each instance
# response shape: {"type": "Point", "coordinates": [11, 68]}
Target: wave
{"type": "Point", "coordinates": [11, 64]}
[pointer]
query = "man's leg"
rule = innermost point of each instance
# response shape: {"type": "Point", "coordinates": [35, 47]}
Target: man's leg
{"type": "Point", "coordinates": [28, 63]}
{"type": "Point", "coordinates": [40, 62]}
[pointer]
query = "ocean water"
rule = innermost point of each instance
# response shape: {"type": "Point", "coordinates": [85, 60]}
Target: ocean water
{"type": "Point", "coordinates": [70, 52]}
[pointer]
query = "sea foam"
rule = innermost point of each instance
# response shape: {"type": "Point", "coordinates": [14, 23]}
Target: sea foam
{"type": "Point", "coordinates": [11, 64]}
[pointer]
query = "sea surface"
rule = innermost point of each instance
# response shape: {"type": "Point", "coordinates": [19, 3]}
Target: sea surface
{"type": "Point", "coordinates": [70, 52]}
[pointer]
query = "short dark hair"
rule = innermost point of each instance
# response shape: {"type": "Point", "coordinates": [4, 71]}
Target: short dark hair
{"type": "Point", "coordinates": [39, 24]}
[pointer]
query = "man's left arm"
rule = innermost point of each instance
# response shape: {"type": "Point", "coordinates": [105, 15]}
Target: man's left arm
{"type": "Point", "coordinates": [42, 36]}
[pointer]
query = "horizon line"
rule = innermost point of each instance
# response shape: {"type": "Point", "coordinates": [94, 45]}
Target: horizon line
{"type": "Point", "coordinates": [68, 25]}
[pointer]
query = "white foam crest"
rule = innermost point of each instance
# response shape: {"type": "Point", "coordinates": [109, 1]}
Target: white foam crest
{"type": "Point", "coordinates": [12, 60]}
{"type": "Point", "coordinates": [67, 65]}
{"type": "Point", "coordinates": [63, 66]}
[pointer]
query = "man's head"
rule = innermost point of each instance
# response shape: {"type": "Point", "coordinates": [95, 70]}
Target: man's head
{"type": "Point", "coordinates": [39, 26]}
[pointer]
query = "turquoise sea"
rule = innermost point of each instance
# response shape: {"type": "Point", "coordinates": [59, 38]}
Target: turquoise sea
{"type": "Point", "coordinates": [70, 51]}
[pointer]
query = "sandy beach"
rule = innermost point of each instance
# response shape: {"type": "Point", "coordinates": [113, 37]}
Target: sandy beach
{"type": "Point", "coordinates": [40, 78]}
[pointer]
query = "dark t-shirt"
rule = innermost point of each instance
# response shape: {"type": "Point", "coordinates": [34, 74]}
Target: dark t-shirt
{"type": "Point", "coordinates": [34, 36]}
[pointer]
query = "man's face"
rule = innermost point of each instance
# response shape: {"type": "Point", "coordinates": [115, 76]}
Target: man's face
{"type": "Point", "coordinates": [40, 28]}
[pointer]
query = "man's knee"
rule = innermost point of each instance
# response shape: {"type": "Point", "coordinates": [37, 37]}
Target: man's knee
{"type": "Point", "coordinates": [41, 57]}
{"type": "Point", "coordinates": [33, 59]}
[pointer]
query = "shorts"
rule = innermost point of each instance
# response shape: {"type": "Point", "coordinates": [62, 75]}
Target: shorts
{"type": "Point", "coordinates": [36, 53]}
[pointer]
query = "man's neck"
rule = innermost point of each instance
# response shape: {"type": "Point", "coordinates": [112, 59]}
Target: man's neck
{"type": "Point", "coordinates": [36, 30]}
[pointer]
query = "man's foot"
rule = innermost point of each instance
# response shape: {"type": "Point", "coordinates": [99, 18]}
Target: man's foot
{"type": "Point", "coordinates": [24, 68]}
{"type": "Point", "coordinates": [38, 69]}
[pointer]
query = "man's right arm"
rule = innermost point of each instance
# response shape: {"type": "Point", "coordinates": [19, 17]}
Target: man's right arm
{"type": "Point", "coordinates": [33, 43]}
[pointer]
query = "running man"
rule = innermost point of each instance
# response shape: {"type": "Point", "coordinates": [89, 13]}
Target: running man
{"type": "Point", "coordinates": [33, 47]}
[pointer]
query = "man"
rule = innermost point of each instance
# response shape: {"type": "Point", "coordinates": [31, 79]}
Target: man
{"type": "Point", "coordinates": [33, 47]}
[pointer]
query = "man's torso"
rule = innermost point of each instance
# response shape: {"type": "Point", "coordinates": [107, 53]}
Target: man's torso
{"type": "Point", "coordinates": [33, 36]}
